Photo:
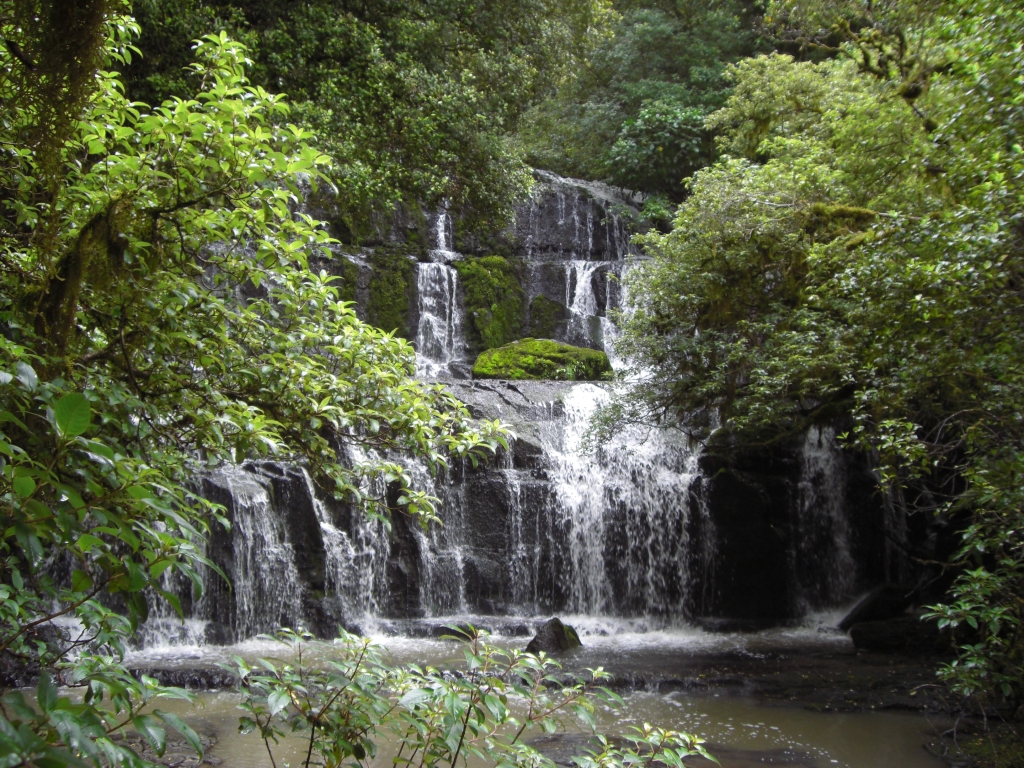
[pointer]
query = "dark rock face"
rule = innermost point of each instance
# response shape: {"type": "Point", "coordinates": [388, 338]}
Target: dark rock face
{"type": "Point", "coordinates": [736, 538]}
{"type": "Point", "coordinates": [886, 602]}
{"type": "Point", "coordinates": [565, 248]}
{"type": "Point", "coordinates": [906, 634]}
{"type": "Point", "coordinates": [749, 506]}
{"type": "Point", "coordinates": [568, 219]}
{"type": "Point", "coordinates": [798, 527]}
{"type": "Point", "coordinates": [744, 540]}
{"type": "Point", "coordinates": [554, 637]}
{"type": "Point", "coordinates": [756, 538]}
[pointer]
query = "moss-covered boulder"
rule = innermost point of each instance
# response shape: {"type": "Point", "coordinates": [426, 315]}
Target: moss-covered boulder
{"type": "Point", "coordinates": [542, 359]}
{"type": "Point", "coordinates": [554, 637]}
{"type": "Point", "coordinates": [494, 301]}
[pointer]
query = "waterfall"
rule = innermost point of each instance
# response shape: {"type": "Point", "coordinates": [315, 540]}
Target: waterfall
{"type": "Point", "coordinates": [442, 588]}
{"type": "Point", "coordinates": [626, 512]}
{"type": "Point", "coordinates": [443, 237]}
{"type": "Point", "coordinates": [625, 531]}
{"type": "Point", "coordinates": [584, 325]}
{"type": "Point", "coordinates": [264, 579]}
{"type": "Point", "coordinates": [356, 560]}
{"type": "Point", "coordinates": [440, 339]}
{"type": "Point", "coordinates": [822, 562]}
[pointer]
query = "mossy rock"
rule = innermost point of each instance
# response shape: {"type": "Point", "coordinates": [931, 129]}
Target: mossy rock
{"type": "Point", "coordinates": [542, 359]}
{"type": "Point", "coordinates": [494, 301]}
{"type": "Point", "coordinates": [546, 316]}
{"type": "Point", "coordinates": [392, 290]}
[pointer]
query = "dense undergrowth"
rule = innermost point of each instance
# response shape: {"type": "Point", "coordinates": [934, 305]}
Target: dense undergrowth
{"type": "Point", "coordinates": [848, 242]}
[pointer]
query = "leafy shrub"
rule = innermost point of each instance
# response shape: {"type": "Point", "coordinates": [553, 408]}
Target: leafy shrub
{"type": "Point", "coordinates": [435, 717]}
{"type": "Point", "coordinates": [159, 317]}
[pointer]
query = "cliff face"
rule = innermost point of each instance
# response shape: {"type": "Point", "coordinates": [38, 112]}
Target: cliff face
{"type": "Point", "coordinates": [647, 527]}
{"type": "Point", "coordinates": [553, 273]}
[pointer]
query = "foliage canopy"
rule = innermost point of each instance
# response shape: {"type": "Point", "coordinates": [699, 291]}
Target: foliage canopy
{"type": "Point", "coordinates": [159, 317]}
{"type": "Point", "coordinates": [634, 115]}
{"type": "Point", "coordinates": [857, 250]}
{"type": "Point", "coordinates": [413, 102]}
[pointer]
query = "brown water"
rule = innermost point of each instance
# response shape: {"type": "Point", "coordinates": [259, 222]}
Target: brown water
{"type": "Point", "coordinates": [742, 731]}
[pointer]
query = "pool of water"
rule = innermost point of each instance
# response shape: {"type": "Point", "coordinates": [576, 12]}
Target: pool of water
{"type": "Point", "coordinates": [741, 730]}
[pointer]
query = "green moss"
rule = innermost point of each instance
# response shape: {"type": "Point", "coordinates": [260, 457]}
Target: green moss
{"type": "Point", "coordinates": [542, 359]}
{"type": "Point", "coordinates": [348, 277]}
{"type": "Point", "coordinates": [545, 317]}
{"type": "Point", "coordinates": [392, 291]}
{"type": "Point", "coordinates": [494, 301]}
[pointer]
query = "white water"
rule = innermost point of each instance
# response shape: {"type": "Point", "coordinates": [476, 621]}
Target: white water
{"type": "Point", "coordinates": [356, 559]}
{"type": "Point", "coordinates": [264, 579]}
{"type": "Point", "coordinates": [440, 338]}
{"type": "Point", "coordinates": [821, 556]}
{"type": "Point", "coordinates": [625, 510]}
{"type": "Point", "coordinates": [440, 335]}
{"type": "Point", "coordinates": [615, 534]}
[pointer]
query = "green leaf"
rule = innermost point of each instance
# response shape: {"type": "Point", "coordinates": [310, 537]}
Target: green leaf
{"type": "Point", "coordinates": [27, 376]}
{"type": "Point", "coordinates": [87, 542]}
{"type": "Point", "coordinates": [183, 728]}
{"type": "Point", "coordinates": [81, 581]}
{"type": "Point", "coordinates": [24, 486]}
{"type": "Point", "coordinates": [414, 697]}
{"type": "Point", "coordinates": [46, 692]}
{"type": "Point", "coordinates": [152, 732]}
{"type": "Point", "coordinates": [277, 701]}
{"type": "Point", "coordinates": [72, 415]}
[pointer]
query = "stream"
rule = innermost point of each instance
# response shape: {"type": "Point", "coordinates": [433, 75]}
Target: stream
{"type": "Point", "coordinates": [793, 697]}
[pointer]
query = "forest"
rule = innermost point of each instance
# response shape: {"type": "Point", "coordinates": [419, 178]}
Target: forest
{"type": "Point", "coordinates": [832, 232]}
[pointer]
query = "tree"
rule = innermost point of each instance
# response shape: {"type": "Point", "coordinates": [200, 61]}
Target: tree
{"type": "Point", "coordinates": [634, 116]}
{"type": "Point", "coordinates": [857, 251]}
{"type": "Point", "coordinates": [413, 102]}
{"type": "Point", "coordinates": [159, 317]}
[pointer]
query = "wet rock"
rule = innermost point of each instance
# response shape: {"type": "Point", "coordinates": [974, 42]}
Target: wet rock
{"type": "Point", "coordinates": [216, 633]}
{"type": "Point", "coordinates": [554, 637]}
{"type": "Point", "coordinates": [194, 678]}
{"type": "Point", "coordinates": [906, 634]}
{"type": "Point", "coordinates": [886, 602]}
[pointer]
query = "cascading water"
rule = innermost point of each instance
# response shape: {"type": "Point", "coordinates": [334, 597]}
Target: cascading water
{"type": "Point", "coordinates": [441, 348]}
{"type": "Point", "coordinates": [265, 582]}
{"type": "Point", "coordinates": [440, 340]}
{"type": "Point", "coordinates": [582, 303]}
{"type": "Point", "coordinates": [821, 558]}
{"type": "Point", "coordinates": [625, 510]}
{"type": "Point", "coordinates": [443, 230]}
{"type": "Point", "coordinates": [576, 238]}
{"type": "Point", "coordinates": [625, 531]}
{"type": "Point", "coordinates": [355, 559]}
